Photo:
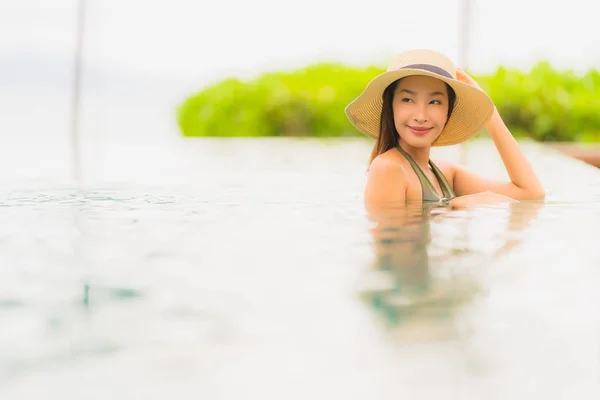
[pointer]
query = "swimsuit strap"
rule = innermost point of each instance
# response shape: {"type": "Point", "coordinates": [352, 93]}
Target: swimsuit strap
{"type": "Point", "coordinates": [429, 193]}
{"type": "Point", "coordinates": [446, 188]}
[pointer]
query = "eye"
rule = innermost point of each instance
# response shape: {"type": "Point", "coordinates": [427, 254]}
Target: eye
{"type": "Point", "coordinates": [436, 102]}
{"type": "Point", "coordinates": [406, 100]}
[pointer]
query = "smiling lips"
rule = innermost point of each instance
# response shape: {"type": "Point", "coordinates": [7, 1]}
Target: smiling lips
{"type": "Point", "coordinates": [419, 130]}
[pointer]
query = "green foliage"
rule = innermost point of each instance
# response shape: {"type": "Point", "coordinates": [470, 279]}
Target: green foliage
{"type": "Point", "coordinates": [546, 104]}
{"type": "Point", "coordinates": [543, 103]}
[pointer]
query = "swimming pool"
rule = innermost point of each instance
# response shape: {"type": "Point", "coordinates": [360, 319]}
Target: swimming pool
{"type": "Point", "coordinates": [247, 268]}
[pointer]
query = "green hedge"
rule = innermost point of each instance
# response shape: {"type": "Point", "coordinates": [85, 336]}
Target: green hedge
{"type": "Point", "coordinates": [543, 103]}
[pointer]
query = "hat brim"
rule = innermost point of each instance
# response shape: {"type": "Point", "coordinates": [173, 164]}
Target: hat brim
{"type": "Point", "coordinates": [472, 108]}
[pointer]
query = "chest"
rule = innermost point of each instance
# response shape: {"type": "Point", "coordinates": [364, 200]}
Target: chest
{"type": "Point", "coordinates": [414, 190]}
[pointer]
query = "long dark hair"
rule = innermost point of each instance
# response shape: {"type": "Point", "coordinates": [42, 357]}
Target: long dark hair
{"type": "Point", "coordinates": [388, 135]}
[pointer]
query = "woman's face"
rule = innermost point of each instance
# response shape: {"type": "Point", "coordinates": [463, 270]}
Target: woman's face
{"type": "Point", "coordinates": [420, 109]}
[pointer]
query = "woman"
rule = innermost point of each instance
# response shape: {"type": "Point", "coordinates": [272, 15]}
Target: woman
{"type": "Point", "coordinates": [423, 101]}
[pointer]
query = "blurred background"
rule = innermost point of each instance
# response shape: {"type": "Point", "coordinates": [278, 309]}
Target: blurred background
{"type": "Point", "coordinates": [180, 205]}
{"type": "Point", "coordinates": [155, 70]}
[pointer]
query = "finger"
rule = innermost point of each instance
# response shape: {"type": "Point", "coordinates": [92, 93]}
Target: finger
{"type": "Point", "coordinates": [461, 74]}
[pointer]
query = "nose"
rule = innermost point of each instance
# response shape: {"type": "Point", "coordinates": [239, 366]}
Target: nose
{"type": "Point", "coordinates": [421, 114]}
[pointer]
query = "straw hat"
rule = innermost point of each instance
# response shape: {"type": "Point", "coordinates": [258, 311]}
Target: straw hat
{"type": "Point", "coordinates": [472, 108]}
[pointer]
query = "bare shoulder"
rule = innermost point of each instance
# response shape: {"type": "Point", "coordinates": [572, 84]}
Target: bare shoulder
{"type": "Point", "coordinates": [385, 180]}
{"type": "Point", "coordinates": [385, 165]}
{"type": "Point", "coordinates": [387, 160]}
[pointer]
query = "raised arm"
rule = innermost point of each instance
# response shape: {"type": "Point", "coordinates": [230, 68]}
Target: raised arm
{"type": "Point", "coordinates": [524, 183]}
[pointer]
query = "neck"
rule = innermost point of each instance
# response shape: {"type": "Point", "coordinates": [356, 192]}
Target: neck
{"type": "Point", "coordinates": [419, 154]}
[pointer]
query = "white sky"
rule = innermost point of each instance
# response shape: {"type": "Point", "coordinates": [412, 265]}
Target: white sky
{"type": "Point", "coordinates": [192, 40]}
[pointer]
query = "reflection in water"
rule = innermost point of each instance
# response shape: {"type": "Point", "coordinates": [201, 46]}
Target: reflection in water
{"type": "Point", "coordinates": [226, 285]}
{"type": "Point", "coordinates": [418, 282]}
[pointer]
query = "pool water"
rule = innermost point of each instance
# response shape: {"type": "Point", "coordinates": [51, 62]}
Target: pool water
{"type": "Point", "coordinates": [248, 268]}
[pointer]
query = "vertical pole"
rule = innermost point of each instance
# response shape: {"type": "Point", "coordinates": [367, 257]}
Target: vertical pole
{"type": "Point", "coordinates": [465, 32]}
{"type": "Point", "coordinates": [75, 134]}
{"type": "Point", "coordinates": [76, 89]}
{"type": "Point", "coordinates": [464, 26]}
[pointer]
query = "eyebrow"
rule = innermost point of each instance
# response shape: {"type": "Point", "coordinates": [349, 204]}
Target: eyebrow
{"type": "Point", "coordinates": [415, 93]}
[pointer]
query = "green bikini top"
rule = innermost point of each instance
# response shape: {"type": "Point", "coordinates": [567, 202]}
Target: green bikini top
{"type": "Point", "coordinates": [429, 192]}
